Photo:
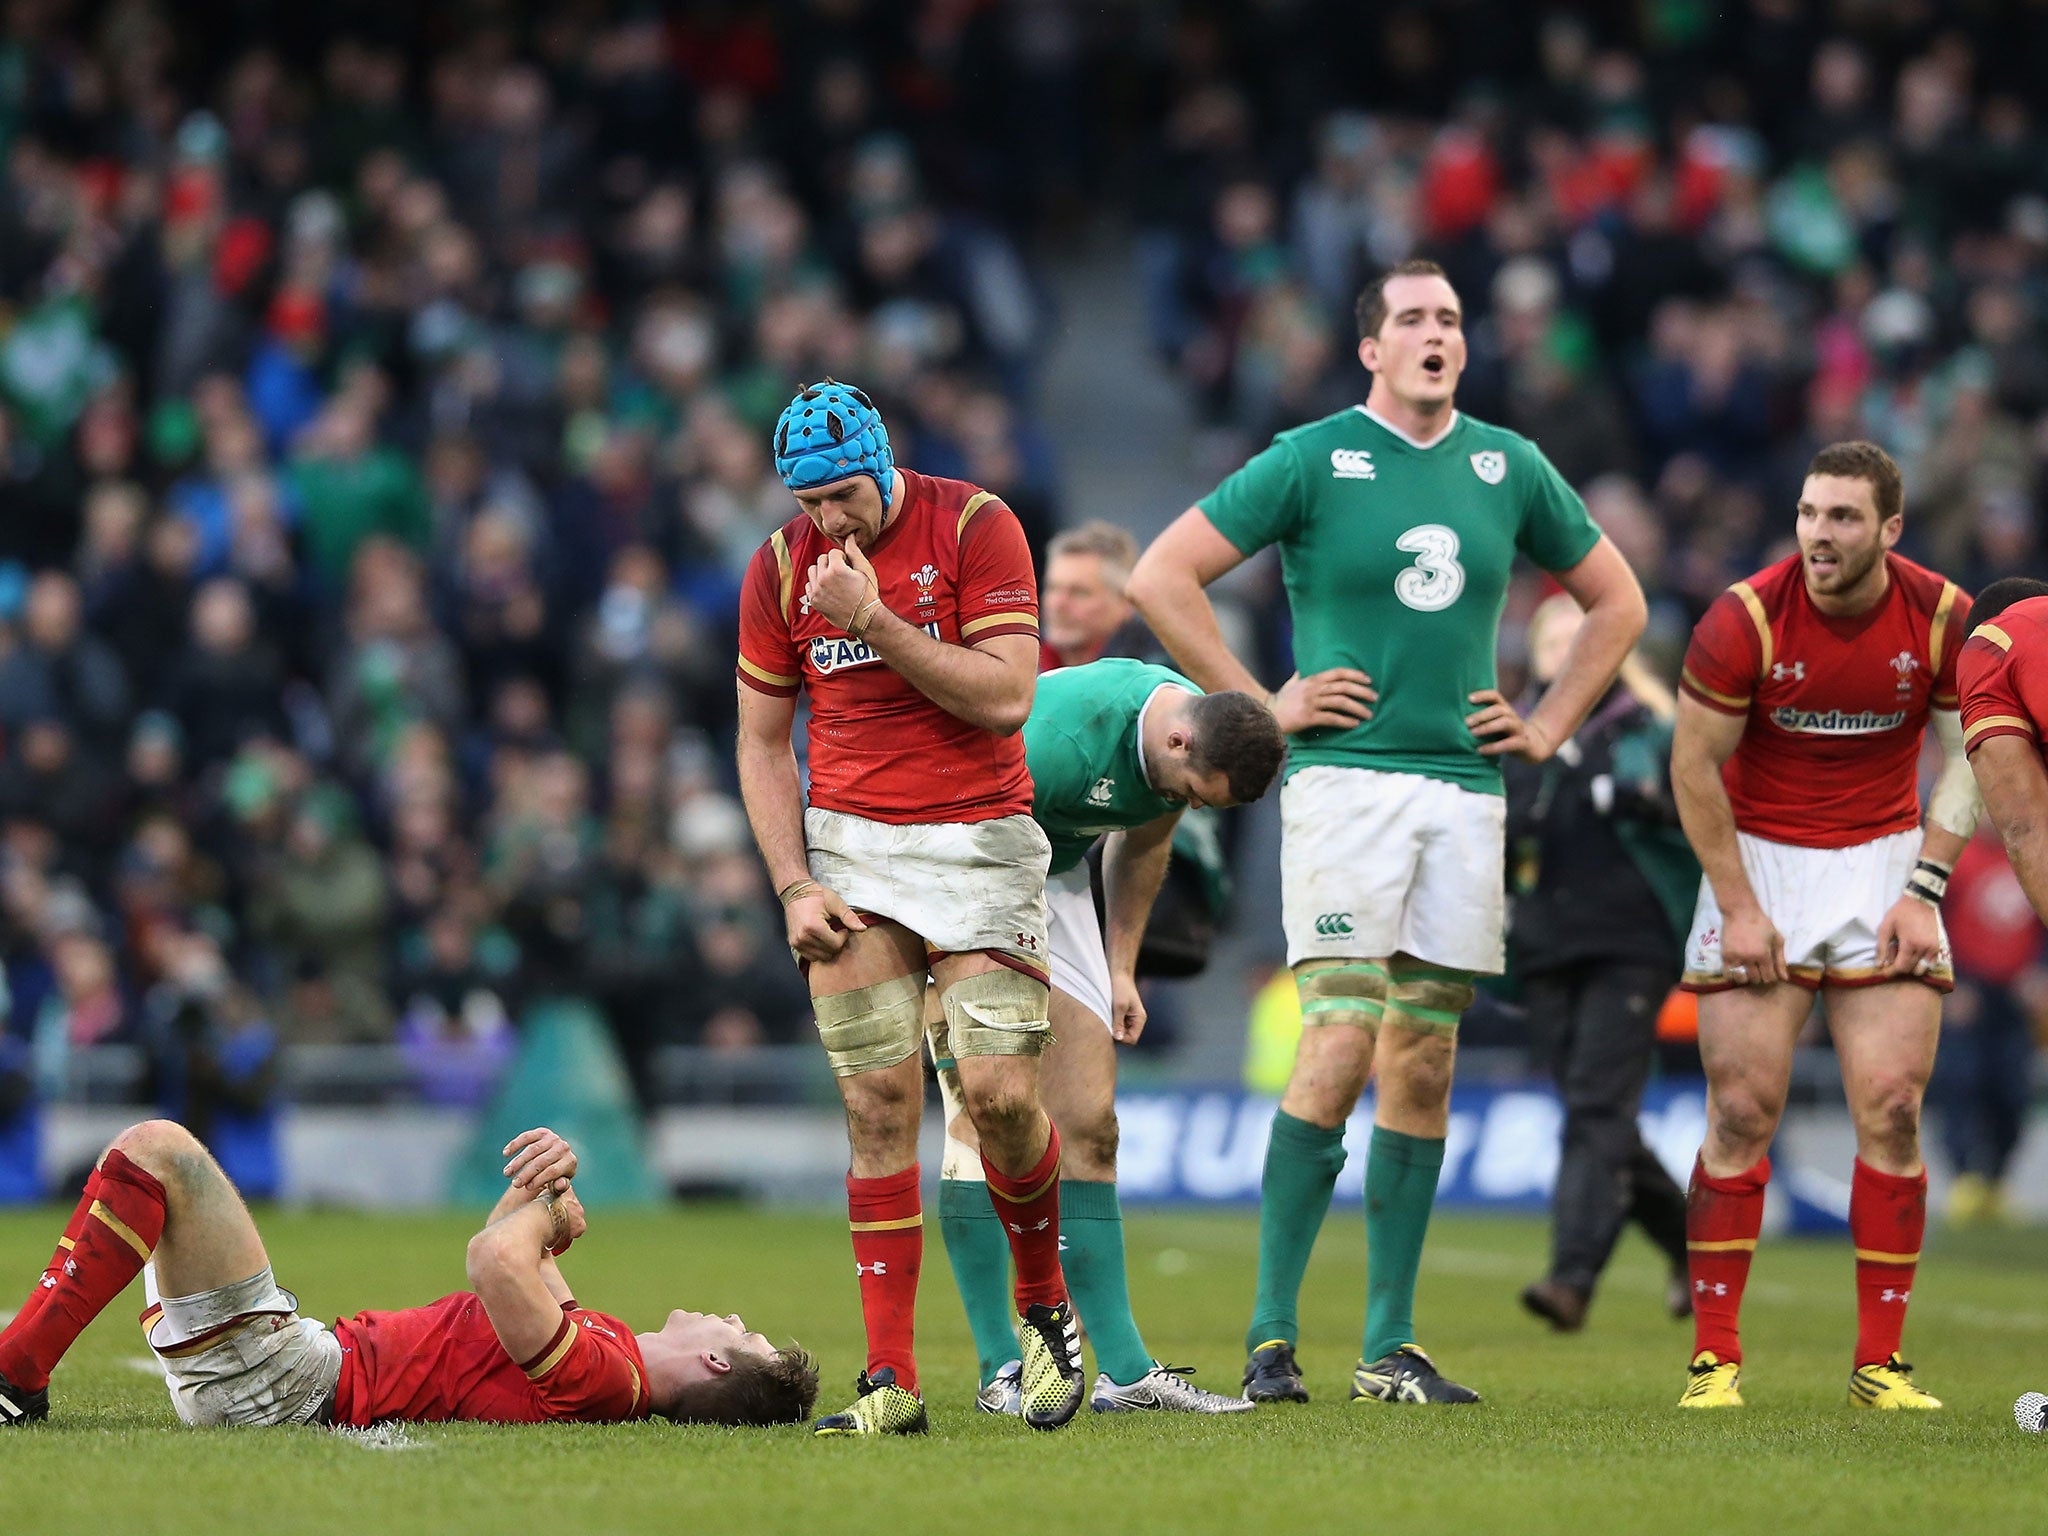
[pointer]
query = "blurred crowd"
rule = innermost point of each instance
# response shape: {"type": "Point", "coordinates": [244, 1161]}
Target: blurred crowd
{"type": "Point", "coordinates": [384, 412]}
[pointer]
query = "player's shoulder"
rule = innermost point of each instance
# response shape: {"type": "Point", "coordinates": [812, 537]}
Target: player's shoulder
{"type": "Point", "coordinates": [790, 544]}
{"type": "Point", "coordinates": [2024, 623]}
{"type": "Point", "coordinates": [1770, 591]}
{"type": "Point", "coordinates": [1338, 429]}
{"type": "Point", "coordinates": [950, 504]}
{"type": "Point", "coordinates": [1926, 591]}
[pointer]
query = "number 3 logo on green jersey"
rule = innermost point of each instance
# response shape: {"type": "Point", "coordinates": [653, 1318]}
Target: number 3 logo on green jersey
{"type": "Point", "coordinates": [1434, 581]}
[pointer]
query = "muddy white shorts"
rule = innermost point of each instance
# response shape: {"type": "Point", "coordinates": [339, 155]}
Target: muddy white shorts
{"type": "Point", "coordinates": [1080, 963]}
{"type": "Point", "coordinates": [960, 886]}
{"type": "Point", "coordinates": [241, 1354]}
{"type": "Point", "coordinates": [1827, 902]}
{"type": "Point", "coordinates": [1376, 864]}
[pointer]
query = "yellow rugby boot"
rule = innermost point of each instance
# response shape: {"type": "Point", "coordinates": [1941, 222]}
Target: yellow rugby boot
{"type": "Point", "coordinates": [1715, 1383]}
{"type": "Point", "coordinates": [880, 1408]}
{"type": "Point", "coordinates": [1888, 1385]}
{"type": "Point", "coordinates": [1052, 1386]}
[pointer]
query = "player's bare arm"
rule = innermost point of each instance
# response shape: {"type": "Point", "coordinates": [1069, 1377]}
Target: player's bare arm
{"type": "Point", "coordinates": [1909, 942]}
{"type": "Point", "coordinates": [1752, 949]}
{"type": "Point", "coordinates": [1168, 588]}
{"type": "Point", "coordinates": [989, 684]}
{"type": "Point", "coordinates": [815, 921]}
{"type": "Point", "coordinates": [2014, 783]}
{"type": "Point", "coordinates": [1604, 586]}
{"type": "Point", "coordinates": [510, 1264]}
{"type": "Point", "coordinates": [1133, 868]}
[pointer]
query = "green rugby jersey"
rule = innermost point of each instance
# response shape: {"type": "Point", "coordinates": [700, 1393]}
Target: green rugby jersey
{"type": "Point", "coordinates": [1081, 742]}
{"type": "Point", "coordinates": [1397, 560]}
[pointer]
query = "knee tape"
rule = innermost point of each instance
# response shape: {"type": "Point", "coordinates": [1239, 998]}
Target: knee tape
{"type": "Point", "coordinates": [960, 1161]}
{"type": "Point", "coordinates": [997, 1013]}
{"type": "Point", "coordinates": [874, 1027]}
{"type": "Point", "coordinates": [1427, 998]}
{"type": "Point", "coordinates": [1350, 992]}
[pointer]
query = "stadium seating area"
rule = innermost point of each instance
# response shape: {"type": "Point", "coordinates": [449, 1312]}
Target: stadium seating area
{"type": "Point", "coordinates": [383, 409]}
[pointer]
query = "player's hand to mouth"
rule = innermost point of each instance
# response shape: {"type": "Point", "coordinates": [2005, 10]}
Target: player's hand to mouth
{"type": "Point", "coordinates": [1752, 949]}
{"type": "Point", "coordinates": [539, 1159]}
{"type": "Point", "coordinates": [1909, 938]}
{"type": "Point", "coordinates": [842, 586]}
{"type": "Point", "coordinates": [1510, 731]}
{"type": "Point", "coordinates": [1336, 700]}
{"type": "Point", "coordinates": [817, 924]}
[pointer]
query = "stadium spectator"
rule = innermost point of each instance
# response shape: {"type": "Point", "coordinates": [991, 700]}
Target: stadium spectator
{"type": "Point", "coordinates": [1087, 615]}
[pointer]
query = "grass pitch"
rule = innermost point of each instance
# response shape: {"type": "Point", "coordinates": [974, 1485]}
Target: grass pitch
{"type": "Point", "coordinates": [1578, 1434]}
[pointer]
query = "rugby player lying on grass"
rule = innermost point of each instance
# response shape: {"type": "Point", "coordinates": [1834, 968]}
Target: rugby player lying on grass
{"type": "Point", "coordinates": [516, 1349]}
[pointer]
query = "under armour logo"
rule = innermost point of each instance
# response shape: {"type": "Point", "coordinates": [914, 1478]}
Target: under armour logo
{"type": "Point", "coordinates": [71, 1268]}
{"type": "Point", "coordinates": [1797, 672]}
{"type": "Point", "coordinates": [1334, 925]}
{"type": "Point", "coordinates": [1021, 1230]}
{"type": "Point", "coordinates": [48, 1282]}
{"type": "Point", "coordinates": [1901, 1297]}
{"type": "Point", "coordinates": [1716, 1288]}
{"type": "Point", "coordinates": [876, 1268]}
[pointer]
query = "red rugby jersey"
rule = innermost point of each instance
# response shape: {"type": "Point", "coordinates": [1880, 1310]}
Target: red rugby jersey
{"type": "Point", "coordinates": [1835, 706]}
{"type": "Point", "coordinates": [444, 1361]}
{"type": "Point", "coordinates": [951, 559]}
{"type": "Point", "coordinates": [2004, 668]}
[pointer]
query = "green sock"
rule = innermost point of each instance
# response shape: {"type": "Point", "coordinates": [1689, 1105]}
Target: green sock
{"type": "Point", "coordinates": [1092, 1240]}
{"type": "Point", "coordinates": [1302, 1164]}
{"type": "Point", "coordinates": [1400, 1191]}
{"type": "Point", "coordinates": [980, 1256]}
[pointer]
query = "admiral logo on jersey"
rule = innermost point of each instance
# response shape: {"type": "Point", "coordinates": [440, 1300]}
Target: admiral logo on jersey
{"type": "Point", "coordinates": [1836, 722]}
{"type": "Point", "coordinates": [835, 653]}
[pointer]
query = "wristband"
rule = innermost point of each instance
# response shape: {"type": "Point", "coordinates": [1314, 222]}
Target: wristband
{"type": "Point", "coordinates": [1928, 882]}
{"type": "Point", "coordinates": [797, 888]}
{"type": "Point", "coordinates": [854, 627]}
{"type": "Point", "coordinates": [554, 1243]}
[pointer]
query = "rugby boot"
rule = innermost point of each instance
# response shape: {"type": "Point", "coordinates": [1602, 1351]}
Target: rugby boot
{"type": "Point", "coordinates": [1164, 1388]}
{"type": "Point", "coordinates": [880, 1407]}
{"type": "Point", "coordinates": [1560, 1305]}
{"type": "Point", "coordinates": [1052, 1384]}
{"type": "Point", "coordinates": [1714, 1383]}
{"type": "Point", "coordinates": [1005, 1394]}
{"type": "Point", "coordinates": [20, 1406]}
{"type": "Point", "coordinates": [1888, 1385]}
{"type": "Point", "coordinates": [1271, 1376]}
{"type": "Point", "coordinates": [1408, 1375]}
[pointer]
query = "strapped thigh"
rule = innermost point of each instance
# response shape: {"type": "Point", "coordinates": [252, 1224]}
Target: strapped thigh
{"type": "Point", "coordinates": [997, 1013]}
{"type": "Point", "coordinates": [1350, 992]}
{"type": "Point", "coordinates": [1428, 999]}
{"type": "Point", "coordinates": [871, 1028]}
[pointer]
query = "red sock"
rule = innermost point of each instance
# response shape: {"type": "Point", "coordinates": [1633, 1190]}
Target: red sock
{"type": "Point", "coordinates": [123, 1218]}
{"type": "Point", "coordinates": [1722, 1219]}
{"type": "Point", "coordinates": [888, 1251]}
{"type": "Point", "coordinates": [1029, 1207]}
{"type": "Point", "coordinates": [1887, 1215]}
{"type": "Point", "coordinates": [73, 1230]}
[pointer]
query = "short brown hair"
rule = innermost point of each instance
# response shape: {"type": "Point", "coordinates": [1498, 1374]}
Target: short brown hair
{"type": "Point", "coordinates": [779, 1389]}
{"type": "Point", "coordinates": [1372, 298]}
{"type": "Point", "coordinates": [1237, 734]}
{"type": "Point", "coordinates": [1865, 461]}
{"type": "Point", "coordinates": [1115, 546]}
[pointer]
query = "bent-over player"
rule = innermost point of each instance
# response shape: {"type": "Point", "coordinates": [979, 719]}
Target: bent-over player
{"type": "Point", "coordinates": [1398, 523]}
{"type": "Point", "coordinates": [514, 1349]}
{"type": "Point", "coordinates": [1120, 748]}
{"type": "Point", "coordinates": [1795, 764]}
{"type": "Point", "coordinates": [906, 607]}
{"type": "Point", "coordinates": [2003, 670]}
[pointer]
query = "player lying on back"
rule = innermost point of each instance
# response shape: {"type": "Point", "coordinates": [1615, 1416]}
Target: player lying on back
{"type": "Point", "coordinates": [1119, 748]}
{"type": "Point", "coordinates": [515, 1349]}
{"type": "Point", "coordinates": [1795, 763]}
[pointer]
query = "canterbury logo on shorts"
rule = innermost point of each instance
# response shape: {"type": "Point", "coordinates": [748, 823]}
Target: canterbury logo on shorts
{"type": "Point", "coordinates": [1334, 925]}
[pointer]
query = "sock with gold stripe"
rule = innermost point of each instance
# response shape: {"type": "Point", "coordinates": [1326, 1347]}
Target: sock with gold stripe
{"type": "Point", "coordinates": [1722, 1220]}
{"type": "Point", "coordinates": [124, 1208]}
{"type": "Point", "coordinates": [1028, 1205]}
{"type": "Point", "coordinates": [1887, 1216]}
{"type": "Point", "coordinates": [73, 1230]}
{"type": "Point", "coordinates": [887, 1217]}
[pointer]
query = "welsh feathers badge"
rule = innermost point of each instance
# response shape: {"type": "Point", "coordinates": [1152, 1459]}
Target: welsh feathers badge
{"type": "Point", "coordinates": [1490, 466]}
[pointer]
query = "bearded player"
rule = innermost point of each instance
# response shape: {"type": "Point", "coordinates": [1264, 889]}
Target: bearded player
{"type": "Point", "coordinates": [514, 1349]}
{"type": "Point", "coordinates": [2004, 675]}
{"type": "Point", "coordinates": [906, 607]}
{"type": "Point", "coordinates": [1398, 522]}
{"type": "Point", "coordinates": [1806, 691]}
{"type": "Point", "coordinates": [1117, 748]}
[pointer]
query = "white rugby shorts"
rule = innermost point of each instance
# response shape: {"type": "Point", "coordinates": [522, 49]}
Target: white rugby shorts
{"type": "Point", "coordinates": [241, 1354]}
{"type": "Point", "coordinates": [1827, 902]}
{"type": "Point", "coordinates": [1375, 864]}
{"type": "Point", "coordinates": [961, 886]}
{"type": "Point", "coordinates": [1080, 963]}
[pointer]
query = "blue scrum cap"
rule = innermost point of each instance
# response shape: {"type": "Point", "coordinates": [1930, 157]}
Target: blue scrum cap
{"type": "Point", "coordinates": [829, 432]}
